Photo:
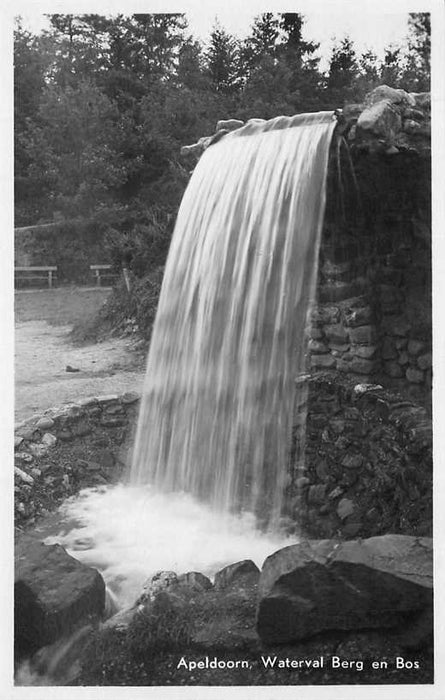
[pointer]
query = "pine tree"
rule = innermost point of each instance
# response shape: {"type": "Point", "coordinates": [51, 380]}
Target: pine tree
{"type": "Point", "coordinates": [343, 72]}
{"type": "Point", "coordinates": [190, 70]}
{"type": "Point", "coordinates": [292, 25]}
{"type": "Point", "coordinates": [263, 41]}
{"type": "Point", "coordinates": [222, 59]}
{"type": "Point", "coordinates": [418, 65]}
{"type": "Point", "coordinates": [298, 54]}
{"type": "Point", "coordinates": [391, 71]}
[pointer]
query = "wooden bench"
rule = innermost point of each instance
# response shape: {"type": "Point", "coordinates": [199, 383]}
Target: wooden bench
{"type": "Point", "coordinates": [36, 272]}
{"type": "Point", "coordinates": [101, 271]}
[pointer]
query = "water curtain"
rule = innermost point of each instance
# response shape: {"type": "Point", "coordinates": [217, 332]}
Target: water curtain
{"type": "Point", "coordinates": [229, 337]}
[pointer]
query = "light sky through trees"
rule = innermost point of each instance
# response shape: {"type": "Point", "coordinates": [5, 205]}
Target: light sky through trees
{"type": "Point", "coordinates": [373, 29]}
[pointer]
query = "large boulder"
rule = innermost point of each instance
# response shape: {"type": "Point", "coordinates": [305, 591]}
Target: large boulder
{"type": "Point", "coordinates": [390, 95]}
{"type": "Point", "coordinates": [160, 581]}
{"type": "Point", "coordinates": [392, 121]}
{"type": "Point", "coordinates": [53, 594]}
{"type": "Point", "coordinates": [322, 585]}
{"type": "Point", "coordinates": [381, 119]}
{"type": "Point", "coordinates": [237, 574]}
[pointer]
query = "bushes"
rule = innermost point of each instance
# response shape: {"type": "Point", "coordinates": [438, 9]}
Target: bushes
{"type": "Point", "coordinates": [144, 245]}
{"type": "Point", "coordinates": [124, 312]}
{"type": "Point", "coordinates": [125, 656]}
{"type": "Point", "coordinates": [159, 629]}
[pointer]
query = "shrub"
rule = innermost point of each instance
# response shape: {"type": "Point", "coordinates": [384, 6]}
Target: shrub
{"type": "Point", "coordinates": [124, 312]}
{"type": "Point", "coordinates": [125, 656]}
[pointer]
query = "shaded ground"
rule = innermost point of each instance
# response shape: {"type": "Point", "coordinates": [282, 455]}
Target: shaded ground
{"type": "Point", "coordinates": [43, 350]}
{"type": "Point", "coordinates": [163, 669]}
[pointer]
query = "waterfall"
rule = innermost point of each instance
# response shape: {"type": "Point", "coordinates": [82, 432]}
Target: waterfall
{"type": "Point", "coordinates": [229, 336]}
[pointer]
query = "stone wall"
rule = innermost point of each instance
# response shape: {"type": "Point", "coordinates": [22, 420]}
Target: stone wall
{"type": "Point", "coordinates": [70, 447]}
{"type": "Point", "coordinates": [373, 316]}
{"type": "Point", "coordinates": [368, 462]}
{"type": "Point", "coordinates": [374, 290]}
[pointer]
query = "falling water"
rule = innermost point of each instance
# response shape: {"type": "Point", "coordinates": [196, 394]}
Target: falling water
{"type": "Point", "coordinates": [229, 336]}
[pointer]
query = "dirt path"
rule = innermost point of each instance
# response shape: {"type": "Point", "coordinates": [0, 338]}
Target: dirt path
{"type": "Point", "coordinates": [43, 352]}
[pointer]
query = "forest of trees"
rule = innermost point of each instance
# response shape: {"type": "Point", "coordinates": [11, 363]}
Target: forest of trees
{"type": "Point", "coordinates": [103, 105]}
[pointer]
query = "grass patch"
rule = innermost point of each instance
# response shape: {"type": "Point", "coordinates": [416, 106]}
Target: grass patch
{"type": "Point", "coordinates": [59, 307]}
{"type": "Point", "coordinates": [127, 656]}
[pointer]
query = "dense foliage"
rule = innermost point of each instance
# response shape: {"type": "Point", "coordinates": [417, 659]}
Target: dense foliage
{"type": "Point", "coordinates": [103, 105]}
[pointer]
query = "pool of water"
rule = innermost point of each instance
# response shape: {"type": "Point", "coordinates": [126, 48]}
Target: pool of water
{"type": "Point", "coordinates": [130, 532]}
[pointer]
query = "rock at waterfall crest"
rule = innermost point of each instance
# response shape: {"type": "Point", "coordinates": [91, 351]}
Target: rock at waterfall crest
{"type": "Point", "coordinates": [388, 121]}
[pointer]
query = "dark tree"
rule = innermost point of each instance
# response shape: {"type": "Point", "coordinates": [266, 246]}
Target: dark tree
{"type": "Point", "coordinates": [191, 68]}
{"type": "Point", "coordinates": [305, 79]}
{"type": "Point", "coordinates": [223, 60]}
{"type": "Point", "coordinates": [418, 63]}
{"type": "Point", "coordinates": [391, 70]}
{"type": "Point", "coordinates": [292, 25]}
{"type": "Point", "coordinates": [343, 72]}
{"type": "Point", "coordinates": [263, 41]}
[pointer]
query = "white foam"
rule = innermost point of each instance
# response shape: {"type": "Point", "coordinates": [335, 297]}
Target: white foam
{"type": "Point", "coordinates": [130, 532]}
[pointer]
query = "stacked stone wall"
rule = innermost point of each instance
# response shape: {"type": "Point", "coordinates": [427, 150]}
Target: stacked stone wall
{"type": "Point", "coordinates": [70, 447]}
{"type": "Point", "coordinates": [373, 314]}
{"type": "Point", "coordinates": [368, 462]}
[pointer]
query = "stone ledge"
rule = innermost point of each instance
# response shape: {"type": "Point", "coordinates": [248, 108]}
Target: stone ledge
{"type": "Point", "coordinates": [42, 441]}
